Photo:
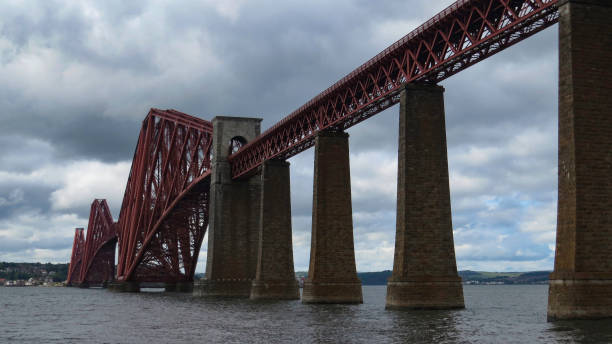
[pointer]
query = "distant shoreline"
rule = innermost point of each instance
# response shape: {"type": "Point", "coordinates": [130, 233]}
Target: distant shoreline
{"type": "Point", "coordinates": [469, 277]}
{"type": "Point", "coordinates": [52, 273]}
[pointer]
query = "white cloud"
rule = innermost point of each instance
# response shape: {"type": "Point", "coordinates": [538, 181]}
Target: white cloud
{"type": "Point", "coordinates": [32, 236]}
{"type": "Point", "coordinates": [229, 9]}
{"type": "Point", "coordinates": [373, 175]}
{"type": "Point", "coordinates": [475, 155]}
{"type": "Point", "coordinates": [84, 181]}
{"type": "Point", "coordinates": [461, 184]}
{"type": "Point", "coordinates": [27, 225]}
{"type": "Point", "coordinates": [76, 184]}
{"type": "Point", "coordinates": [35, 255]}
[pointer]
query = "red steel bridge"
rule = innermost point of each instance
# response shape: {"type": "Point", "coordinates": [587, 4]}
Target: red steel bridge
{"type": "Point", "coordinates": [164, 214]}
{"type": "Point", "coordinates": [93, 257]}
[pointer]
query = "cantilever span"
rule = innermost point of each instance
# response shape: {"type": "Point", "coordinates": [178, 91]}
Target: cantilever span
{"type": "Point", "coordinates": [460, 36]}
{"type": "Point", "coordinates": [93, 256]}
{"type": "Point", "coordinates": [98, 265]}
{"type": "Point", "coordinates": [164, 214]}
{"type": "Point", "coordinates": [78, 245]}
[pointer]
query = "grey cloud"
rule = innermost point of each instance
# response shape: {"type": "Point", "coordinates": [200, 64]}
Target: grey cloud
{"type": "Point", "coordinates": [11, 245]}
{"type": "Point", "coordinates": [274, 57]}
{"type": "Point", "coordinates": [85, 134]}
{"type": "Point", "coordinates": [21, 155]}
{"type": "Point", "coordinates": [31, 196]}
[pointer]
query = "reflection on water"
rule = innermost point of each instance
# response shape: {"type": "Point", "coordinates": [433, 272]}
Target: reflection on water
{"type": "Point", "coordinates": [582, 331]}
{"type": "Point", "coordinates": [494, 314]}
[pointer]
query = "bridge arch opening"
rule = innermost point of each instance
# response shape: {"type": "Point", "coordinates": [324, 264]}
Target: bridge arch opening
{"type": "Point", "coordinates": [235, 144]}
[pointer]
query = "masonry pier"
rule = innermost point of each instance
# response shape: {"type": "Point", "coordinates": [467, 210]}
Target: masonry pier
{"type": "Point", "coordinates": [424, 267]}
{"type": "Point", "coordinates": [581, 283]}
{"type": "Point", "coordinates": [275, 277]}
{"type": "Point", "coordinates": [179, 287]}
{"type": "Point", "coordinates": [124, 286]}
{"type": "Point", "coordinates": [233, 232]}
{"type": "Point", "coordinates": [332, 274]}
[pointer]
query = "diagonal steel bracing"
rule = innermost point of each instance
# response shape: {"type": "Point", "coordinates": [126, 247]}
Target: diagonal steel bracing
{"type": "Point", "coordinates": [463, 34]}
{"type": "Point", "coordinates": [98, 265]}
{"type": "Point", "coordinates": [76, 257]}
{"type": "Point", "coordinates": [164, 214]}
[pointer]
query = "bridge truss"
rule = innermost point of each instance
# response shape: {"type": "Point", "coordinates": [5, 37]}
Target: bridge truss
{"type": "Point", "coordinates": [164, 214]}
{"type": "Point", "coordinates": [98, 265]}
{"type": "Point", "coordinates": [78, 245]}
{"type": "Point", "coordinates": [460, 36]}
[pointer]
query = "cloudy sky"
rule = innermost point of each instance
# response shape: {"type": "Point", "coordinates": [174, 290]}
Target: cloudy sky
{"type": "Point", "coordinates": [78, 77]}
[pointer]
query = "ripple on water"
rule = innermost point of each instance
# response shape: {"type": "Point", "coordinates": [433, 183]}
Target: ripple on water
{"type": "Point", "coordinates": [494, 314]}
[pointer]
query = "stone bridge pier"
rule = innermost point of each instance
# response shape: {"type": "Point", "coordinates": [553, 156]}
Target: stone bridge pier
{"type": "Point", "coordinates": [332, 273]}
{"type": "Point", "coordinates": [234, 211]}
{"type": "Point", "coordinates": [250, 252]}
{"type": "Point", "coordinates": [275, 276]}
{"type": "Point", "coordinates": [581, 283]}
{"type": "Point", "coordinates": [424, 267]}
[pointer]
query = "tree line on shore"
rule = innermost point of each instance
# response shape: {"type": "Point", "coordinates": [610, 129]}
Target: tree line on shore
{"type": "Point", "coordinates": [59, 272]}
{"type": "Point", "coordinates": [25, 271]}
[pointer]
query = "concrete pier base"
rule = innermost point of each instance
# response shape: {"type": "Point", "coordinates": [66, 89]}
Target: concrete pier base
{"type": "Point", "coordinates": [224, 288]}
{"type": "Point", "coordinates": [275, 277]}
{"type": "Point", "coordinates": [424, 267]}
{"type": "Point", "coordinates": [179, 287]}
{"type": "Point", "coordinates": [332, 292]}
{"type": "Point", "coordinates": [233, 232]}
{"type": "Point", "coordinates": [436, 293]}
{"type": "Point", "coordinates": [579, 296]}
{"type": "Point", "coordinates": [124, 287]}
{"type": "Point", "coordinates": [332, 275]}
{"type": "Point", "coordinates": [581, 283]}
{"type": "Point", "coordinates": [275, 290]}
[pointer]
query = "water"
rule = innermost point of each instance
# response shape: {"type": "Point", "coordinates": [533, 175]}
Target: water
{"type": "Point", "coordinates": [494, 314]}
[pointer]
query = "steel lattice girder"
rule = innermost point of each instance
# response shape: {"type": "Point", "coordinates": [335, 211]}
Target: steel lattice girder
{"type": "Point", "coordinates": [463, 34]}
{"type": "Point", "coordinates": [98, 263]}
{"type": "Point", "coordinates": [76, 257]}
{"type": "Point", "coordinates": [164, 214]}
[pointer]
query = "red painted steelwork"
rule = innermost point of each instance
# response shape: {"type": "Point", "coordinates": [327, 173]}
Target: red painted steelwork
{"type": "Point", "coordinates": [463, 34]}
{"type": "Point", "coordinates": [164, 214]}
{"type": "Point", "coordinates": [98, 266]}
{"type": "Point", "coordinates": [76, 258]}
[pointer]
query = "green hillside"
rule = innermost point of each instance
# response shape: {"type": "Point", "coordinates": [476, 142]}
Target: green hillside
{"type": "Point", "coordinates": [24, 271]}
{"type": "Point", "coordinates": [468, 276]}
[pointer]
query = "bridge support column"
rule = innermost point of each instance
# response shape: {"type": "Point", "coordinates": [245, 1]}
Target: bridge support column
{"type": "Point", "coordinates": [275, 277]}
{"type": "Point", "coordinates": [179, 287]}
{"type": "Point", "coordinates": [124, 287]}
{"type": "Point", "coordinates": [233, 231]}
{"type": "Point", "coordinates": [424, 268]}
{"type": "Point", "coordinates": [581, 283]}
{"type": "Point", "coordinates": [332, 275]}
